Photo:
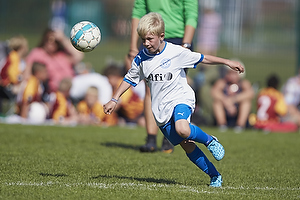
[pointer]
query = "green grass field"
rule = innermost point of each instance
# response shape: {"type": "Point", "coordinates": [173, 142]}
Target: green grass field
{"type": "Point", "coordinates": [48, 162]}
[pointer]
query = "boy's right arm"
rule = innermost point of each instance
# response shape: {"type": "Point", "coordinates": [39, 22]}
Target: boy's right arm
{"type": "Point", "coordinates": [109, 107]}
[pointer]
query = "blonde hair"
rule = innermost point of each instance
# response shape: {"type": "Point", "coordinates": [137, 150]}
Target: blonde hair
{"type": "Point", "coordinates": [15, 43]}
{"type": "Point", "coordinates": [92, 91]}
{"type": "Point", "coordinates": [151, 22]}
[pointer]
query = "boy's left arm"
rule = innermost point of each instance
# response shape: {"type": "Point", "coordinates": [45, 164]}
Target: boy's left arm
{"type": "Point", "coordinates": [213, 60]}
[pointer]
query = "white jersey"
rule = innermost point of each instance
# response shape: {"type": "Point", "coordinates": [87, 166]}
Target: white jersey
{"type": "Point", "coordinates": [164, 74]}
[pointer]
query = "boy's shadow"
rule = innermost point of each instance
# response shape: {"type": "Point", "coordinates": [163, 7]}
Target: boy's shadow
{"type": "Point", "coordinates": [53, 175]}
{"type": "Point", "coordinates": [149, 180]}
{"type": "Point", "coordinates": [121, 145]}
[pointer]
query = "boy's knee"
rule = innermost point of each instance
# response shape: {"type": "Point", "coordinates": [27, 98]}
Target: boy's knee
{"type": "Point", "coordinates": [182, 128]}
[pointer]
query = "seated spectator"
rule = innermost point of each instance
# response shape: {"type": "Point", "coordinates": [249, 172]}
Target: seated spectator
{"type": "Point", "coordinates": [12, 66]}
{"type": "Point", "coordinates": [291, 92]}
{"type": "Point", "coordinates": [59, 56]}
{"type": "Point", "coordinates": [130, 107]}
{"type": "Point", "coordinates": [271, 107]}
{"type": "Point", "coordinates": [86, 78]}
{"type": "Point", "coordinates": [91, 110]}
{"type": "Point", "coordinates": [4, 52]}
{"type": "Point", "coordinates": [232, 101]}
{"type": "Point", "coordinates": [32, 89]}
{"type": "Point", "coordinates": [61, 109]}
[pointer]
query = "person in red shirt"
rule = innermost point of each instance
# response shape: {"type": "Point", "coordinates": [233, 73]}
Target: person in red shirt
{"type": "Point", "coordinates": [271, 106]}
{"type": "Point", "coordinates": [32, 89]}
{"type": "Point", "coordinates": [59, 56]}
{"type": "Point", "coordinates": [11, 67]}
{"type": "Point", "coordinates": [61, 109]}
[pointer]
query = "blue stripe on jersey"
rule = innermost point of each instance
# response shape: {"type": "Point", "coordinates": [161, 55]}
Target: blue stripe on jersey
{"type": "Point", "coordinates": [163, 48]}
{"type": "Point", "coordinates": [202, 57]}
{"type": "Point", "coordinates": [140, 58]}
{"type": "Point", "coordinates": [130, 82]}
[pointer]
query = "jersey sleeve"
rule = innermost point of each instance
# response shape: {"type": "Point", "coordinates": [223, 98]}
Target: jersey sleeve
{"type": "Point", "coordinates": [280, 106]}
{"type": "Point", "coordinates": [190, 59]}
{"type": "Point", "coordinates": [30, 90]}
{"type": "Point", "coordinates": [139, 9]}
{"type": "Point", "coordinates": [98, 111]}
{"type": "Point", "coordinates": [191, 12]}
{"type": "Point", "coordinates": [14, 72]}
{"type": "Point", "coordinates": [61, 109]}
{"type": "Point", "coordinates": [134, 75]}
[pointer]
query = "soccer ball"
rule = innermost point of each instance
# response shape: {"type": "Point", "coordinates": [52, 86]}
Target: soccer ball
{"type": "Point", "coordinates": [85, 36]}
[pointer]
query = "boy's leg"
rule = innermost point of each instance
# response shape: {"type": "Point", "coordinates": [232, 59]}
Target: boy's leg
{"type": "Point", "coordinates": [201, 161]}
{"type": "Point", "coordinates": [192, 132]}
{"type": "Point", "coordinates": [211, 142]}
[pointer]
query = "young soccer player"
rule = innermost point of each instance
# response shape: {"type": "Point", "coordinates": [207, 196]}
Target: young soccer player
{"type": "Point", "coordinates": [90, 110]}
{"type": "Point", "coordinates": [162, 65]}
{"type": "Point", "coordinates": [32, 89]}
{"type": "Point", "coordinates": [61, 109]}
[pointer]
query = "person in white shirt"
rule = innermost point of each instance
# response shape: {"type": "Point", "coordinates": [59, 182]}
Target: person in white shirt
{"type": "Point", "coordinates": [162, 65]}
{"type": "Point", "coordinates": [291, 92]}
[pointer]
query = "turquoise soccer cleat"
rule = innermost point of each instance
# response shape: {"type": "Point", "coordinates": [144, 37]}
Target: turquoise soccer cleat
{"type": "Point", "coordinates": [216, 149]}
{"type": "Point", "coordinates": [216, 181]}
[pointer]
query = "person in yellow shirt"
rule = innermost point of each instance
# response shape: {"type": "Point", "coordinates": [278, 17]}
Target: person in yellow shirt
{"type": "Point", "coordinates": [61, 109]}
{"type": "Point", "coordinates": [11, 67]}
{"type": "Point", "coordinates": [130, 110]}
{"type": "Point", "coordinates": [32, 89]}
{"type": "Point", "coordinates": [11, 72]}
{"type": "Point", "coordinates": [91, 110]}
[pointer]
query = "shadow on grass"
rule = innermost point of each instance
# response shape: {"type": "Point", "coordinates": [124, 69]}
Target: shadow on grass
{"type": "Point", "coordinates": [120, 145]}
{"type": "Point", "coordinates": [149, 180]}
{"type": "Point", "coordinates": [52, 175]}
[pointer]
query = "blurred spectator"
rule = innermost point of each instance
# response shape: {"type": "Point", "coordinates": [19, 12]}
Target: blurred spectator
{"type": "Point", "coordinates": [130, 107]}
{"type": "Point", "coordinates": [4, 51]}
{"type": "Point", "coordinates": [271, 107]}
{"type": "Point", "coordinates": [59, 56]}
{"type": "Point", "coordinates": [32, 89]}
{"type": "Point", "coordinates": [59, 12]}
{"type": "Point", "coordinates": [207, 43]}
{"type": "Point", "coordinates": [91, 110]}
{"type": "Point", "coordinates": [209, 28]}
{"type": "Point", "coordinates": [86, 78]}
{"type": "Point", "coordinates": [61, 109]}
{"type": "Point", "coordinates": [232, 101]}
{"type": "Point", "coordinates": [11, 72]}
{"type": "Point", "coordinates": [13, 53]}
{"type": "Point", "coordinates": [291, 92]}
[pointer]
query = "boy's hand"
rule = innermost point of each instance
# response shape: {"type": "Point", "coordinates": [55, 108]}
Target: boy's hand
{"type": "Point", "coordinates": [236, 66]}
{"type": "Point", "coordinates": [109, 107]}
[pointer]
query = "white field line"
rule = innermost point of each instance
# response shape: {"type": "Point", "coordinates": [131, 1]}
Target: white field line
{"type": "Point", "coordinates": [154, 186]}
{"type": "Point", "coordinates": [182, 188]}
